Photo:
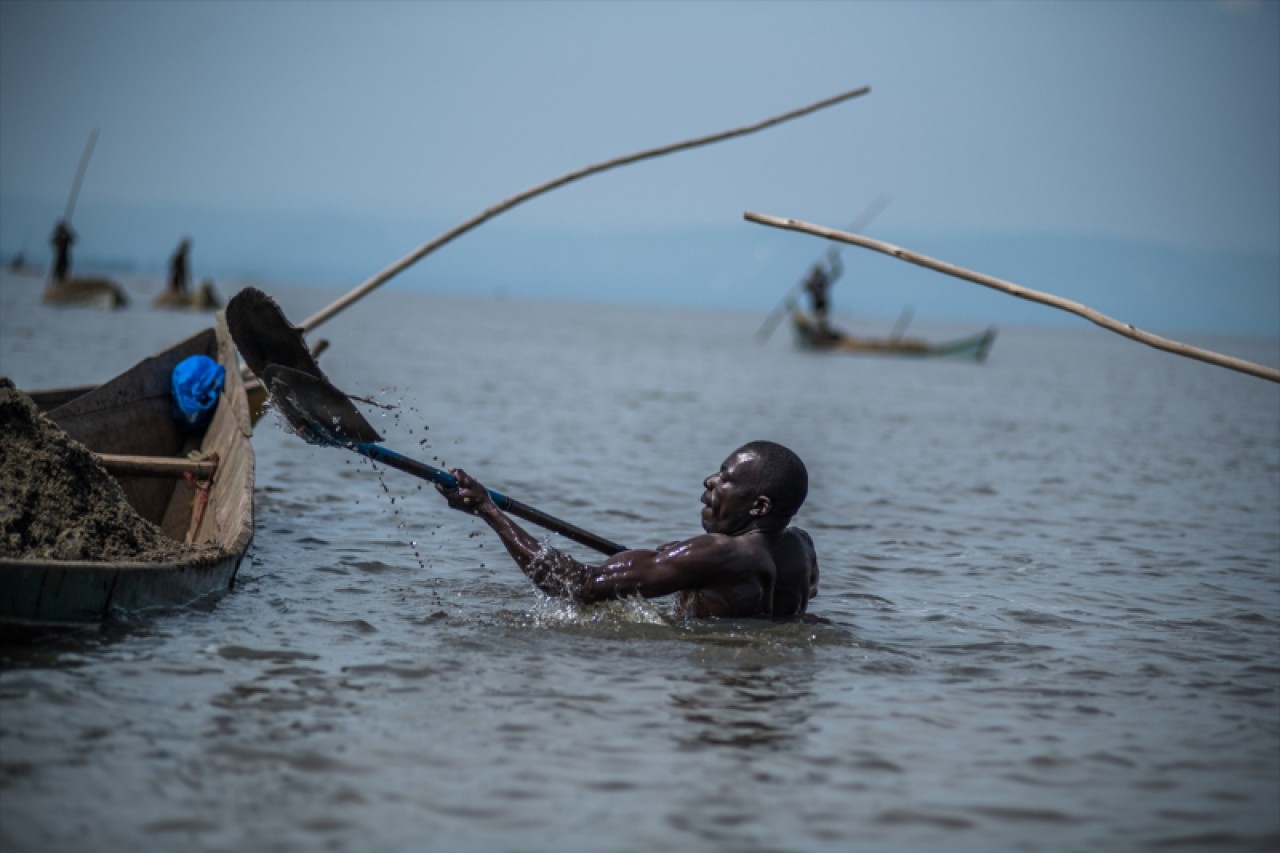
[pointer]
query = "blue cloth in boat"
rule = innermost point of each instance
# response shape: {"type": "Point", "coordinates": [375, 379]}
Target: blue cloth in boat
{"type": "Point", "coordinates": [197, 382]}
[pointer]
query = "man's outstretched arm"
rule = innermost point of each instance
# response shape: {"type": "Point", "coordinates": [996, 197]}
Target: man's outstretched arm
{"type": "Point", "coordinates": [698, 562]}
{"type": "Point", "coordinates": [552, 571]}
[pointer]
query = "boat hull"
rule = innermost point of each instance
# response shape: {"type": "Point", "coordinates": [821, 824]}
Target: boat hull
{"type": "Point", "coordinates": [87, 291]}
{"type": "Point", "coordinates": [203, 299]}
{"type": "Point", "coordinates": [81, 594]}
{"type": "Point", "coordinates": [807, 336]}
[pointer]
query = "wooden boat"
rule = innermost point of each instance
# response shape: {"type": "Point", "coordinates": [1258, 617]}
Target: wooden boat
{"type": "Point", "coordinates": [197, 487]}
{"type": "Point", "coordinates": [203, 299]}
{"type": "Point", "coordinates": [85, 290]}
{"type": "Point", "coordinates": [808, 337]}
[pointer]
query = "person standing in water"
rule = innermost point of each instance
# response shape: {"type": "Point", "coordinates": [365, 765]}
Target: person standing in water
{"type": "Point", "coordinates": [61, 240]}
{"type": "Point", "coordinates": [179, 275]}
{"type": "Point", "coordinates": [819, 285]}
{"type": "Point", "coordinates": [748, 563]}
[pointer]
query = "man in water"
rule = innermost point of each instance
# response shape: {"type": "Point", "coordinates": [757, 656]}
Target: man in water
{"type": "Point", "coordinates": [748, 563]}
{"type": "Point", "coordinates": [818, 284]}
{"type": "Point", "coordinates": [178, 274]}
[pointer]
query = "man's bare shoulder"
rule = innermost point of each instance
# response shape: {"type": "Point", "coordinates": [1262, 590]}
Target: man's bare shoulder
{"type": "Point", "coordinates": [704, 546]}
{"type": "Point", "coordinates": [800, 533]}
{"type": "Point", "coordinates": [722, 555]}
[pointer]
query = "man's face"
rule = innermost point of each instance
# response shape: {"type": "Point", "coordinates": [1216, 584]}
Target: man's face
{"type": "Point", "coordinates": [731, 493]}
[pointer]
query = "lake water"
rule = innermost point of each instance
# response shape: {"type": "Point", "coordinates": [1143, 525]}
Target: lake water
{"type": "Point", "coordinates": [1049, 616]}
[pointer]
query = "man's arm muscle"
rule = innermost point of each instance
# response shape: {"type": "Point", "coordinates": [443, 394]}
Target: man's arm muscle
{"type": "Point", "coordinates": [703, 561]}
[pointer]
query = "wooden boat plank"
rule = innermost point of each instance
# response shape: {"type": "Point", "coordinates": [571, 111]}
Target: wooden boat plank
{"type": "Point", "coordinates": [156, 466]}
{"type": "Point", "coordinates": [148, 586]}
{"type": "Point", "coordinates": [70, 593]}
{"type": "Point", "coordinates": [51, 398]}
{"type": "Point", "coordinates": [229, 434]}
{"type": "Point", "coordinates": [44, 592]}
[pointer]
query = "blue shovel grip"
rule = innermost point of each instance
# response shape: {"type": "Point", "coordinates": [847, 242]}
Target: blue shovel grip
{"type": "Point", "coordinates": [390, 458]}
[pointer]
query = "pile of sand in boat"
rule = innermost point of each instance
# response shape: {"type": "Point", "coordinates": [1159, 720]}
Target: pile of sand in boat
{"type": "Point", "coordinates": [57, 502]}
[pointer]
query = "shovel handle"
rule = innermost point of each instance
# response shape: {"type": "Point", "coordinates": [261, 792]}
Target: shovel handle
{"type": "Point", "coordinates": [400, 462]}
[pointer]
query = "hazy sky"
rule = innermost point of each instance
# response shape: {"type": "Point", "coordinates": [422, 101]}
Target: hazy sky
{"type": "Point", "coordinates": [1150, 121]}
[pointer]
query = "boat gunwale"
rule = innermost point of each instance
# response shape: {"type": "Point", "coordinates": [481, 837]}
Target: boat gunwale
{"type": "Point", "coordinates": [192, 561]}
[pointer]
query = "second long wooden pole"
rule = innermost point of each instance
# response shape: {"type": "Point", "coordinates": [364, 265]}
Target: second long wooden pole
{"type": "Point", "coordinates": [425, 249]}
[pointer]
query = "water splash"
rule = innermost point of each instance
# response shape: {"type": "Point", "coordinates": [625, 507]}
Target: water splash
{"type": "Point", "coordinates": [557, 612]}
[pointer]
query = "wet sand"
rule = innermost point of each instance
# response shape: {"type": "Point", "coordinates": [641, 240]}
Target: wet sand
{"type": "Point", "coordinates": [57, 502]}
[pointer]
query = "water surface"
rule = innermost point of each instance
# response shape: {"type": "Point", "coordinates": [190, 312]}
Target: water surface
{"type": "Point", "coordinates": [1049, 614]}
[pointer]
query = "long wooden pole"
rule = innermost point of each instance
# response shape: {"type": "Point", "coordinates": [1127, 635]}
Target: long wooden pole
{"type": "Point", "coordinates": [1125, 329]}
{"type": "Point", "coordinates": [155, 466]}
{"type": "Point", "coordinates": [80, 170]}
{"type": "Point", "coordinates": [425, 249]}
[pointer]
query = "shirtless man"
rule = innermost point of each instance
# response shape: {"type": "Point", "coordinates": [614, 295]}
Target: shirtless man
{"type": "Point", "coordinates": [748, 563]}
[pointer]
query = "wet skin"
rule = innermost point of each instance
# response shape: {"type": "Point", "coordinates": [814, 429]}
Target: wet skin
{"type": "Point", "coordinates": [748, 563]}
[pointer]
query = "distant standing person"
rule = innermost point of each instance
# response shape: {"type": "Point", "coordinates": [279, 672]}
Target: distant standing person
{"type": "Point", "coordinates": [61, 241]}
{"type": "Point", "coordinates": [818, 284]}
{"type": "Point", "coordinates": [179, 274]}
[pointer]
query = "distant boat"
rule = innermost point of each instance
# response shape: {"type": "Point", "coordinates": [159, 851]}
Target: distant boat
{"type": "Point", "coordinates": [204, 299]}
{"type": "Point", "coordinates": [808, 337]}
{"type": "Point", "coordinates": [98, 291]}
{"type": "Point", "coordinates": [197, 487]}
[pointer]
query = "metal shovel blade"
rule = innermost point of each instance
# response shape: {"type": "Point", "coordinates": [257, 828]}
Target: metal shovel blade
{"type": "Point", "coordinates": [317, 411]}
{"type": "Point", "coordinates": [264, 335]}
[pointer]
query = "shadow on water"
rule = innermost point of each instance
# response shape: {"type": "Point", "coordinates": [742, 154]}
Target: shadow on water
{"type": "Point", "coordinates": [63, 647]}
{"type": "Point", "coordinates": [45, 648]}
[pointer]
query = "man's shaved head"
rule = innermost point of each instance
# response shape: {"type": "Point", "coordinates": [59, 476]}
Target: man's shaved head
{"type": "Point", "coordinates": [783, 476]}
